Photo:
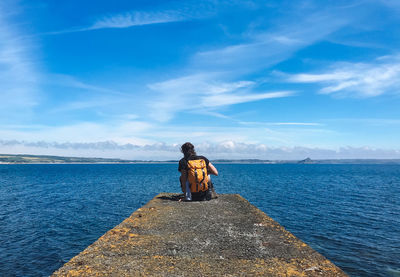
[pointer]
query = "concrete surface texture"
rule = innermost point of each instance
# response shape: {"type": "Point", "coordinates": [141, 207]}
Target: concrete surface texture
{"type": "Point", "coordinates": [223, 237]}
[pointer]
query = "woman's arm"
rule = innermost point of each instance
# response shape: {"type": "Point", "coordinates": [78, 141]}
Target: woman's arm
{"type": "Point", "coordinates": [212, 170]}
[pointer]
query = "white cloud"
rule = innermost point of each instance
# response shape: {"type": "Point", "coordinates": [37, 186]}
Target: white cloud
{"type": "Point", "coordinates": [381, 76]}
{"type": "Point", "coordinates": [199, 84]}
{"type": "Point", "coordinates": [218, 79]}
{"type": "Point", "coordinates": [137, 18]}
{"type": "Point", "coordinates": [289, 124]}
{"type": "Point", "coordinates": [128, 131]}
{"type": "Point", "coordinates": [265, 48]}
{"type": "Point", "coordinates": [84, 105]}
{"type": "Point", "coordinates": [310, 78]}
{"type": "Point", "coordinates": [140, 18]}
{"type": "Point", "coordinates": [294, 124]}
{"type": "Point", "coordinates": [162, 151]}
{"type": "Point", "coordinates": [18, 72]}
{"type": "Point", "coordinates": [236, 98]}
{"type": "Point", "coordinates": [203, 92]}
{"type": "Point", "coordinates": [138, 132]}
{"type": "Point", "coordinates": [126, 20]}
{"type": "Point", "coordinates": [205, 89]}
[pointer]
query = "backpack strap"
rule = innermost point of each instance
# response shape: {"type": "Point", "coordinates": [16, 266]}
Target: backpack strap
{"type": "Point", "coordinates": [197, 180]}
{"type": "Point", "coordinates": [202, 181]}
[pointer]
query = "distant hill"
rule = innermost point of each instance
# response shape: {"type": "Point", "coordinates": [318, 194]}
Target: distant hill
{"type": "Point", "coordinates": [4, 158]}
{"type": "Point", "coordinates": [43, 159]}
{"type": "Point", "coordinates": [306, 161]}
{"type": "Point", "coordinates": [310, 161]}
{"type": "Point", "coordinates": [350, 161]}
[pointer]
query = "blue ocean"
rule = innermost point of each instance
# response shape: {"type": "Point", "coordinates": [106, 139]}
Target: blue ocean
{"type": "Point", "coordinates": [348, 213]}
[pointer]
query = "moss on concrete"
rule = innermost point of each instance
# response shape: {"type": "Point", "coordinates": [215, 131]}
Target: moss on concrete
{"type": "Point", "coordinates": [223, 237]}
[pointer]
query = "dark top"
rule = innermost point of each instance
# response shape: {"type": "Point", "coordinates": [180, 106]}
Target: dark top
{"type": "Point", "coordinates": [183, 162]}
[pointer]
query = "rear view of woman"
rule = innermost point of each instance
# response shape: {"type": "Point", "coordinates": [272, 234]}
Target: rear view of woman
{"type": "Point", "coordinates": [195, 180]}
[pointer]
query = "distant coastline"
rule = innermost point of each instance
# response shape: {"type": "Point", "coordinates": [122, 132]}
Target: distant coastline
{"type": "Point", "coordinates": [45, 159]}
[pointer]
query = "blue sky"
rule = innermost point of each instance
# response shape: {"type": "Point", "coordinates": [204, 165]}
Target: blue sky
{"type": "Point", "coordinates": [239, 79]}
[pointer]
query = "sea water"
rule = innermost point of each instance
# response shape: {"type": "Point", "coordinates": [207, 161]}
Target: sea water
{"type": "Point", "coordinates": [348, 213]}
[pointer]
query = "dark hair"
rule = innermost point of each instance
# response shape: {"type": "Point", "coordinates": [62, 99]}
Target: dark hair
{"type": "Point", "coordinates": [188, 149]}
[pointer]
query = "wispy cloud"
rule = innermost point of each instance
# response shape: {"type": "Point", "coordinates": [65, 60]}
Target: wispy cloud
{"type": "Point", "coordinates": [203, 92]}
{"type": "Point", "coordinates": [219, 77]}
{"type": "Point", "coordinates": [164, 13]}
{"type": "Point", "coordinates": [390, 3]}
{"type": "Point", "coordinates": [236, 98]}
{"type": "Point", "coordinates": [135, 18]}
{"type": "Point", "coordinates": [18, 72]}
{"type": "Point", "coordinates": [64, 80]}
{"type": "Point", "coordinates": [296, 124]}
{"type": "Point", "coordinates": [80, 94]}
{"type": "Point", "coordinates": [381, 76]}
{"type": "Point", "coordinates": [86, 104]}
{"type": "Point", "coordinates": [283, 123]}
{"type": "Point", "coordinates": [262, 49]}
{"type": "Point", "coordinates": [367, 121]}
{"type": "Point", "coordinates": [203, 88]}
{"type": "Point", "coordinates": [130, 19]}
{"type": "Point", "coordinates": [120, 131]}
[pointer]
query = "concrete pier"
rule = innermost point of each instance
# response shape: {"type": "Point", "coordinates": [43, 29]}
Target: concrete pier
{"type": "Point", "coordinates": [223, 237]}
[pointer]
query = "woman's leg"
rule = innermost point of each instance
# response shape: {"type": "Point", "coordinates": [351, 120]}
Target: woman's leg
{"type": "Point", "coordinates": [188, 194]}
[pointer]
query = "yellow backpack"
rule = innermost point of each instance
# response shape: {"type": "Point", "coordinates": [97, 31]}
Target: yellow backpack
{"type": "Point", "coordinates": [197, 175]}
